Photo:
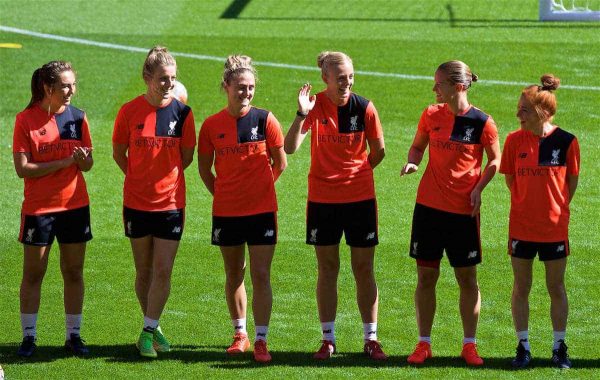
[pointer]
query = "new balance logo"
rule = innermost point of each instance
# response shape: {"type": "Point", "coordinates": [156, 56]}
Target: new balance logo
{"type": "Point", "coordinates": [327, 331]}
{"type": "Point", "coordinates": [313, 235]}
{"type": "Point", "coordinates": [216, 233]}
{"type": "Point", "coordinates": [514, 244]}
{"type": "Point", "coordinates": [129, 229]}
{"type": "Point", "coordinates": [29, 328]}
{"type": "Point", "coordinates": [371, 236]}
{"type": "Point", "coordinates": [414, 249]}
{"type": "Point", "coordinates": [472, 255]}
{"type": "Point", "coordinates": [172, 125]}
{"type": "Point", "coordinates": [177, 230]}
{"type": "Point", "coordinates": [353, 121]}
{"type": "Point", "coordinates": [42, 131]}
{"type": "Point", "coordinates": [555, 153]}
{"type": "Point", "coordinates": [269, 233]}
{"type": "Point", "coordinates": [261, 334]}
{"type": "Point", "coordinates": [29, 237]}
{"type": "Point", "coordinates": [87, 230]}
{"type": "Point", "coordinates": [560, 248]}
{"type": "Point", "coordinates": [140, 126]}
{"type": "Point", "coordinates": [468, 134]}
{"type": "Point", "coordinates": [324, 121]}
{"type": "Point", "coordinates": [238, 327]}
{"type": "Point", "coordinates": [254, 132]}
{"type": "Point", "coordinates": [221, 136]}
{"type": "Point", "coordinates": [523, 155]}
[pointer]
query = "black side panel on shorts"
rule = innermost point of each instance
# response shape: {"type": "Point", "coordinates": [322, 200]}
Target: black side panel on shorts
{"type": "Point", "coordinates": [468, 128]}
{"type": "Point", "coordinates": [69, 123]}
{"type": "Point", "coordinates": [252, 126]}
{"type": "Point", "coordinates": [351, 117]}
{"type": "Point", "coordinates": [170, 119]}
{"type": "Point", "coordinates": [553, 149]}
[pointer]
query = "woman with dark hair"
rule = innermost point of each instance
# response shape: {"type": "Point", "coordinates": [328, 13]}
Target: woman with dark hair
{"type": "Point", "coordinates": [541, 166]}
{"type": "Point", "coordinates": [51, 149]}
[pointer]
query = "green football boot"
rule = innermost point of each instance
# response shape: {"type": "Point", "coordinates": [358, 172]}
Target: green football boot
{"type": "Point", "coordinates": [160, 343]}
{"type": "Point", "coordinates": [144, 344]}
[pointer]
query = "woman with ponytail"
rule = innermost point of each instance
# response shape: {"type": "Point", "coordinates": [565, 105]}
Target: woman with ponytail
{"type": "Point", "coordinates": [51, 149]}
{"type": "Point", "coordinates": [244, 144]}
{"type": "Point", "coordinates": [540, 162]}
{"type": "Point", "coordinates": [153, 142]}
{"type": "Point", "coordinates": [346, 145]}
{"type": "Point", "coordinates": [446, 215]}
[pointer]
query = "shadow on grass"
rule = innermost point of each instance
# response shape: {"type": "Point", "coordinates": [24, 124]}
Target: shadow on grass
{"type": "Point", "coordinates": [214, 356]}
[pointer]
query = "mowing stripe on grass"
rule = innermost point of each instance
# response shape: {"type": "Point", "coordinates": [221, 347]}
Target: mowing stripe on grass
{"type": "Point", "coordinates": [203, 57]}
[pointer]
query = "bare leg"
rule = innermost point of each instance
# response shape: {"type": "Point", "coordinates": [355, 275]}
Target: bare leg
{"type": "Point", "coordinates": [425, 298]}
{"type": "Point", "coordinates": [142, 256]}
{"type": "Point", "coordinates": [261, 257]}
{"type": "Point", "coordinates": [35, 263]}
{"type": "Point", "coordinates": [72, 257]}
{"type": "Point", "coordinates": [235, 291]}
{"type": "Point", "coordinates": [555, 282]}
{"type": "Point", "coordinates": [164, 252]}
{"type": "Point", "coordinates": [328, 260]}
{"type": "Point", "coordinates": [522, 272]}
{"type": "Point", "coordinates": [366, 287]}
{"type": "Point", "coordinates": [470, 299]}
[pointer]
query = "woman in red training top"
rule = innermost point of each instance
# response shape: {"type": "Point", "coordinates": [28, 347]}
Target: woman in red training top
{"type": "Point", "coordinates": [153, 142]}
{"type": "Point", "coordinates": [446, 216]}
{"type": "Point", "coordinates": [245, 146]}
{"type": "Point", "coordinates": [51, 149]}
{"type": "Point", "coordinates": [341, 191]}
{"type": "Point", "coordinates": [541, 165]}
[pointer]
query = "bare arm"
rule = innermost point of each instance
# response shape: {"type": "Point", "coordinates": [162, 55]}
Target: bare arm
{"type": "Point", "coordinates": [279, 161]}
{"type": "Point", "coordinates": [205, 163]}
{"type": "Point", "coordinates": [25, 168]}
{"type": "Point", "coordinates": [572, 181]}
{"type": "Point", "coordinates": [295, 136]}
{"type": "Point", "coordinates": [493, 163]}
{"type": "Point", "coordinates": [120, 156]}
{"type": "Point", "coordinates": [415, 153]}
{"type": "Point", "coordinates": [376, 151]}
{"type": "Point", "coordinates": [187, 156]}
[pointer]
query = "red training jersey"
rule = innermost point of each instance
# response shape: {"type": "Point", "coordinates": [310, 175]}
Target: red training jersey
{"type": "Point", "coordinates": [340, 171]}
{"type": "Point", "coordinates": [49, 138]}
{"type": "Point", "coordinates": [154, 137]}
{"type": "Point", "coordinates": [539, 207]}
{"type": "Point", "coordinates": [456, 145]}
{"type": "Point", "coordinates": [244, 182]}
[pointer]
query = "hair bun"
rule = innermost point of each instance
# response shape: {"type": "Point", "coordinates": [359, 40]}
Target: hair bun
{"type": "Point", "coordinates": [549, 82]}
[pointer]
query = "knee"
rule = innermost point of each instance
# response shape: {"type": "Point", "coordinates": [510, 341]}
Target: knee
{"type": "Point", "coordinates": [363, 273]}
{"type": "Point", "coordinates": [329, 269]}
{"type": "Point", "coordinates": [557, 290]}
{"type": "Point", "coordinates": [162, 275]}
{"type": "Point", "coordinates": [521, 290]}
{"type": "Point", "coordinates": [234, 275]}
{"type": "Point", "coordinates": [143, 276]}
{"type": "Point", "coordinates": [467, 282]}
{"type": "Point", "coordinates": [261, 278]}
{"type": "Point", "coordinates": [73, 274]}
{"type": "Point", "coordinates": [427, 281]}
{"type": "Point", "coordinates": [33, 278]}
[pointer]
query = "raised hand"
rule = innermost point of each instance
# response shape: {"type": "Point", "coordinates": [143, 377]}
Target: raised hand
{"type": "Point", "coordinates": [306, 102]}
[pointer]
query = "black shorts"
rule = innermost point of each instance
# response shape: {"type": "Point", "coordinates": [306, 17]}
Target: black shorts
{"type": "Point", "coordinates": [434, 231]}
{"type": "Point", "coordinates": [258, 229]}
{"type": "Point", "coordinates": [166, 225]}
{"type": "Point", "coordinates": [69, 227]}
{"type": "Point", "coordinates": [325, 223]}
{"type": "Point", "coordinates": [528, 249]}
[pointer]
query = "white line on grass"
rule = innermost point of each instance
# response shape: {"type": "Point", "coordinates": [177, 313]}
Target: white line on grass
{"type": "Point", "coordinates": [203, 57]}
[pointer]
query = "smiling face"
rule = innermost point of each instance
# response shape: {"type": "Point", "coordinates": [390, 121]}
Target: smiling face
{"type": "Point", "coordinates": [60, 93]}
{"type": "Point", "coordinates": [240, 90]}
{"type": "Point", "coordinates": [444, 89]}
{"type": "Point", "coordinates": [339, 80]}
{"type": "Point", "coordinates": [160, 84]}
{"type": "Point", "coordinates": [528, 116]}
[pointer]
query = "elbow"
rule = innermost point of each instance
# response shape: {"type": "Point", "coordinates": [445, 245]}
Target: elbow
{"type": "Point", "coordinates": [289, 148]}
{"type": "Point", "coordinates": [282, 166]}
{"type": "Point", "coordinates": [21, 173]}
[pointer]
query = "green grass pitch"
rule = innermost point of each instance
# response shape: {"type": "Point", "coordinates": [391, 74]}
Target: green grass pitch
{"type": "Point", "coordinates": [501, 40]}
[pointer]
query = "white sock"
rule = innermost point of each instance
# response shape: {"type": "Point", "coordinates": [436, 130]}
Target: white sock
{"type": "Point", "coordinates": [523, 337]}
{"type": "Point", "coordinates": [150, 324]}
{"type": "Point", "coordinates": [328, 329]}
{"type": "Point", "coordinates": [239, 325]}
{"type": "Point", "coordinates": [426, 339]}
{"type": "Point", "coordinates": [558, 336]}
{"type": "Point", "coordinates": [469, 340]}
{"type": "Point", "coordinates": [261, 333]}
{"type": "Point", "coordinates": [28, 324]}
{"type": "Point", "coordinates": [72, 324]}
{"type": "Point", "coordinates": [370, 331]}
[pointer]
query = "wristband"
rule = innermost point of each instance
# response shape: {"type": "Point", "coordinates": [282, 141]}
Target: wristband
{"type": "Point", "coordinates": [298, 113]}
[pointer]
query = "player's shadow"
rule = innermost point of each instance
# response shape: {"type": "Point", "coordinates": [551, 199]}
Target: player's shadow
{"type": "Point", "coordinates": [215, 357]}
